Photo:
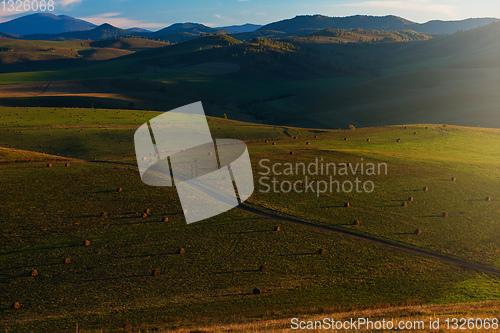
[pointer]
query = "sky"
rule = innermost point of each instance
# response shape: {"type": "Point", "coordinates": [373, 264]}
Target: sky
{"type": "Point", "coordinates": [157, 14]}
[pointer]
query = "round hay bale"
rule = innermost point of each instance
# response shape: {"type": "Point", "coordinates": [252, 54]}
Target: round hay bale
{"type": "Point", "coordinates": [445, 214]}
{"type": "Point", "coordinates": [15, 305]}
{"type": "Point", "coordinates": [165, 219]}
{"type": "Point", "coordinates": [277, 228]}
{"type": "Point", "coordinates": [185, 211]}
{"type": "Point", "coordinates": [321, 251]}
{"type": "Point", "coordinates": [418, 231]}
{"type": "Point", "coordinates": [347, 205]}
{"type": "Point", "coordinates": [345, 139]}
{"type": "Point", "coordinates": [488, 199]}
{"type": "Point", "coordinates": [49, 165]}
{"type": "Point", "coordinates": [67, 165]}
{"type": "Point", "coordinates": [257, 291]}
{"type": "Point", "coordinates": [147, 210]}
{"type": "Point", "coordinates": [86, 243]}
{"type": "Point", "coordinates": [453, 179]}
{"type": "Point", "coordinates": [67, 261]}
{"type": "Point", "coordinates": [210, 154]}
{"type": "Point", "coordinates": [274, 143]}
{"type": "Point", "coordinates": [406, 127]}
{"type": "Point", "coordinates": [181, 251]}
{"type": "Point", "coordinates": [356, 223]}
{"type": "Point", "coordinates": [399, 140]}
{"type": "Point", "coordinates": [415, 133]}
{"type": "Point", "coordinates": [144, 215]}
{"type": "Point", "coordinates": [368, 140]}
{"type": "Point", "coordinates": [410, 199]}
{"type": "Point", "coordinates": [34, 273]}
{"type": "Point", "coordinates": [426, 189]}
{"type": "Point", "coordinates": [404, 204]}
{"type": "Point", "coordinates": [295, 138]}
{"type": "Point", "coordinates": [291, 153]}
{"type": "Point", "coordinates": [308, 143]}
{"type": "Point", "coordinates": [127, 327]}
{"type": "Point", "coordinates": [315, 136]}
{"type": "Point", "coordinates": [267, 141]}
{"type": "Point", "coordinates": [104, 214]}
{"type": "Point", "coordinates": [263, 268]}
{"type": "Point", "coordinates": [155, 272]}
{"type": "Point", "coordinates": [119, 189]}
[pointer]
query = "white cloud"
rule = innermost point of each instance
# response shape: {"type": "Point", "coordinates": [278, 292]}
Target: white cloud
{"type": "Point", "coordinates": [121, 22]}
{"type": "Point", "coordinates": [66, 3]}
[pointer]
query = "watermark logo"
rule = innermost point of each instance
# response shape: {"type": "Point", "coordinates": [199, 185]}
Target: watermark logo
{"type": "Point", "coordinates": [177, 149]}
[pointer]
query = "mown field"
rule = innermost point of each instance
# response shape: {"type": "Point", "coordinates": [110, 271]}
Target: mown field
{"type": "Point", "coordinates": [47, 214]}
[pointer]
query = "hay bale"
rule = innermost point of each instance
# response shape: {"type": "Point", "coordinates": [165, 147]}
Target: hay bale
{"type": "Point", "coordinates": [34, 273]}
{"type": "Point", "coordinates": [453, 179]}
{"type": "Point", "coordinates": [410, 199]}
{"type": "Point", "coordinates": [415, 133]}
{"type": "Point", "coordinates": [356, 223]}
{"type": "Point", "coordinates": [263, 268]}
{"type": "Point", "coordinates": [426, 189]}
{"type": "Point", "coordinates": [155, 272]}
{"type": "Point", "coordinates": [181, 251]}
{"type": "Point", "coordinates": [49, 165]}
{"type": "Point", "coordinates": [185, 211]}
{"type": "Point", "coordinates": [445, 214]}
{"type": "Point", "coordinates": [291, 153]}
{"type": "Point", "coordinates": [308, 143]}
{"type": "Point", "coordinates": [67, 165]}
{"type": "Point", "coordinates": [315, 136]}
{"type": "Point", "coordinates": [274, 143]}
{"type": "Point", "coordinates": [404, 204]}
{"type": "Point", "coordinates": [15, 305]}
{"type": "Point", "coordinates": [406, 127]}
{"type": "Point", "coordinates": [86, 243]}
{"type": "Point", "coordinates": [347, 205]}
{"type": "Point", "coordinates": [147, 210]}
{"type": "Point", "coordinates": [368, 140]}
{"type": "Point", "coordinates": [257, 291]}
{"type": "Point", "coordinates": [267, 141]}
{"type": "Point", "coordinates": [104, 214]}
{"type": "Point", "coordinates": [488, 199]}
{"type": "Point", "coordinates": [321, 251]}
{"type": "Point", "coordinates": [345, 139]}
{"type": "Point", "coordinates": [144, 215]}
{"type": "Point", "coordinates": [295, 138]}
{"type": "Point", "coordinates": [399, 140]}
{"type": "Point", "coordinates": [165, 219]}
{"type": "Point", "coordinates": [67, 261]}
{"type": "Point", "coordinates": [119, 189]}
{"type": "Point", "coordinates": [418, 231]}
{"type": "Point", "coordinates": [210, 154]}
{"type": "Point", "coordinates": [277, 228]}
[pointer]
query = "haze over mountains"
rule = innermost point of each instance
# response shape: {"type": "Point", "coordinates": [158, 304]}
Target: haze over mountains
{"type": "Point", "coordinates": [52, 27]}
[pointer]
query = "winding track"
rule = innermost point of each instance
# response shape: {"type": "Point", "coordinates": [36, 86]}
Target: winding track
{"type": "Point", "coordinates": [458, 262]}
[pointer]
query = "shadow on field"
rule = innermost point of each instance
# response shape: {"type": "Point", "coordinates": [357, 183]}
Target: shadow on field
{"type": "Point", "coordinates": [239, 271]}
{"type": "Point", "coordinates": [250, 232]}
{"type": "Point", "coordinates": [40, 249]}
{"type": "Point", "coordinates": [300, 254]}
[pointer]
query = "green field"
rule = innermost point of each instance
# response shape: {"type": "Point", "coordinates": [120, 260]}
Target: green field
{"type": "Point", "coordinates": [48, 213]}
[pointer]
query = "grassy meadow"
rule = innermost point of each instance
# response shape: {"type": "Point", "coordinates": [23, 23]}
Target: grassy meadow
{"type": "Point", "coordinates": [48, 213]}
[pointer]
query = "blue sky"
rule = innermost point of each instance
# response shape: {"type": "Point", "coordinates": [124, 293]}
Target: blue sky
{"type": "Point", "coordinates": [156, 14]}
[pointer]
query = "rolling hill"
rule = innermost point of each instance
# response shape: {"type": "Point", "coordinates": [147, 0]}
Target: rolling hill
{"type": "Point", "coordinates": [62, 167]}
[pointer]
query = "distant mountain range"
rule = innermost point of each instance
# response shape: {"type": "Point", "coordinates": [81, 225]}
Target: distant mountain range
{"type": "Point", "coordinates": [44, 23]}
{"type": "Point", "coordinates": [52, 27]}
